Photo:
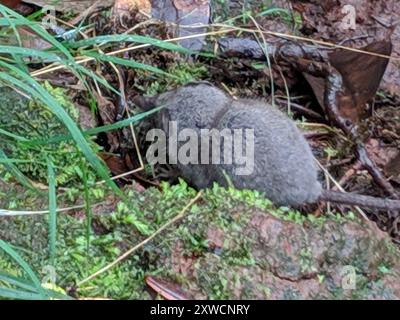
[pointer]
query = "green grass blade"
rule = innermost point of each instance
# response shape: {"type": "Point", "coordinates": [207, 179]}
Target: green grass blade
{"type": "Point", "coordinates": [40, 31]}
{"type": "Point", "coordinates": [18, 259]}
{"type": "Point", "coordinates": [26, 287]}
{"type": "Point", "coordinates": [21, 178]}
{"type": "Point", "coordinates": [271, 11]}
{"type": "Point", "coordinates": [16, 281]}
{"type": "Point", "coordinates": [94, 76]}
{"type": "Point", "coordinates": [37, 28]}
{"type": "Point", "coordinates": [51, 57]}
{"type": "Point", "coordinates": [17, 59]}
{"type": "Point", "coordinates": [110, 127]}
{"type": "Point", "coordinates": [128, 63]}
{"type": "Point", "coordinates": [8, 22]}
{"type": "Point", "coordinates": [46, 56]}
{"type": "Point", "coordinates": [37, 91]}
{"type": "Point", "coordinates": [129, 38]}
{"type": "Point", "coordinates": [17, 294]}
{"type": "Point", "coordinates": [52, 211]}
{"type": "Point", "coordinates": [12, 135]}
{"type": "Point", "coordinates": [88, 209]}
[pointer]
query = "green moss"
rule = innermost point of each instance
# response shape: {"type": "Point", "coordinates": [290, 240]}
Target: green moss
{"type": "Point", "coordinates": [126, 280]}
{"type": "Point", "coordinates": [33, 120]}
{"type": "Point", "coordinates": [219, 269]}
{"type": "Point", "coordinates": [182, 73]}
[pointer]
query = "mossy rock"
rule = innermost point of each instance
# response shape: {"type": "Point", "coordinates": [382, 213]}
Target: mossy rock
{"type": "Point", "coordinates": [231, 244]}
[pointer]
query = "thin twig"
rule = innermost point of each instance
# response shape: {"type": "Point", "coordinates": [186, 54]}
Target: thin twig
{"type": "Point", "coordinates": [13, 213]}
{"type": "Point", "coordinates": [327, 173]}
{"type": "Point", "coordinates": [141, 244]}
{"type": "Point", "coordinates": [228, 30]}
{"type": "Point", "coordinates": [89, 59]}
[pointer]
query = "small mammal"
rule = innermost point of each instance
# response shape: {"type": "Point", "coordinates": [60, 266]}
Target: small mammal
{"type": "Point", "coordinates": [284, 166]}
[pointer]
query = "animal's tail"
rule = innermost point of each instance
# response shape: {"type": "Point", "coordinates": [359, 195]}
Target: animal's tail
{"type": "Point", "coordinates": [360, 200]}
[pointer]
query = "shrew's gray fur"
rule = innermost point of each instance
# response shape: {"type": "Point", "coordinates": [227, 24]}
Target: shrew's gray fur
{"type": "Point", "coordinates": [284, 167]}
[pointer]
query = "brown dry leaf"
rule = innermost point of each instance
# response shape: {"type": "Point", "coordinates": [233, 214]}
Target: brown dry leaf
{"type": "Point", "coordinates": [116, 165]}
{"type": "Point", "coordinates": [107, 112]}
{"type": "Point", "coordinates": [32, 40]}
{"type": "Point", "coordinates": [215, 238]}
{"type": "Point", "coordinates": [374, 21]}
{"type": "Point", "coordinates": [380, 154]}
{"type": "Point", "coordinates": [124, 6]}
{"type": "Point", "coordinates": [186, 14]}
{"type": "Point", "coordinates": [10, 3]}
{"type": "Point", "coordinates": [107, 109]}
{"type": "Point", "coordinates": [392, 169]}
{"type": "Point", "coordinates": [86, 118]}
{"type": "Point", "coordinates": [362, 75]}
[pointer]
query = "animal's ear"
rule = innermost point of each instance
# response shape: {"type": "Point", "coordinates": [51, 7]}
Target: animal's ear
{"type": "Point", "coordinates": [144, 103]}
